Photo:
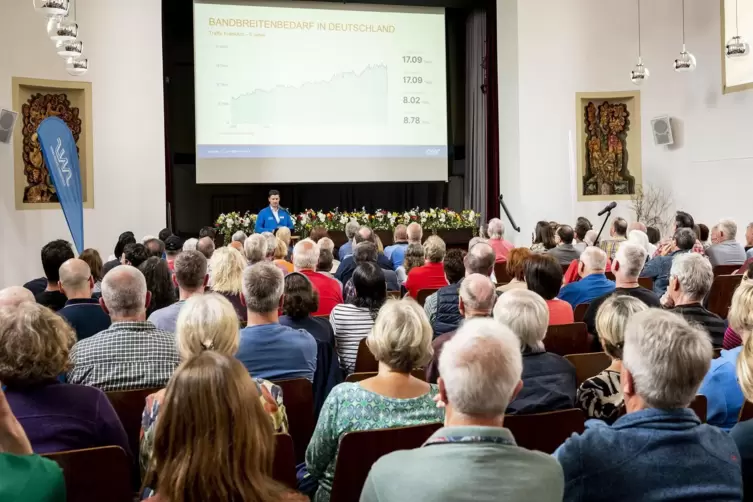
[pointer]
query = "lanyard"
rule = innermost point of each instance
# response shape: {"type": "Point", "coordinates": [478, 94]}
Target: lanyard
{"type": "Point", "coordinates": [469, 439]}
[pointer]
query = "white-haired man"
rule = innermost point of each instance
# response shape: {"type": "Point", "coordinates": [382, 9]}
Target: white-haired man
{"type": "Point", "coordinates": [396, 252]}
{"type": "Point", "coordinates": [626, 267]}
{"type": "Point", "coordinates": [659, 450]}
{"type": "Point", "coordinates": [255, 249]}
{"type": "Point", "coordinates": [593, 284]}
{"type": "Point", "coordinates": [305, 259]}
{"type": "Point", "coordinates": [83, 313]}
{"type": "Point", "coordinates": [239, 236]}
{"type": "Point", "coordinates": [725, 249]}
{"type": "Point", "coordinates": [14, 296]}
{"type": "Point", "coordinates": [132, 353]}
{"type": "Point", "coordinates": [350, 232]}
{"type": "Point", "coordinates": [415, 233]}
{"type": "Point", "coordinates": [502, 248]}
{"type": "Point", "coordinates": [473, 457]}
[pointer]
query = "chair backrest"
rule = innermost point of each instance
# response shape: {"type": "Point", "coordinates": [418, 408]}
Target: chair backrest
{"type": "Point", "coordinates": [359, 450]}
{"type": "Point", "coordinates": [588, 365]}
{"type": "Point", "coordinates": [726, 269]}
{"type": "Point", "coordinates": [129, 405]}
{"type": "Point", "coordinates": [298, 398]}
{"type": "Point", "coordinates": [579, 314]}
{"type": "Point", "coordinates": [365, 360]}
{"type": "Point", "coordinates": [567, 339]}
{"type": "Point", "coordinates": [700, 406]}
{"type": "Point", "coordinates": [283, 469]}
{"type": "Point", "coordinates": [419, 373]}
{"type": "Point", "coordinates": [423, 294]}
{"type": "Point", "coordinates": [746, 412]}
{"type": "Point", "coordinates": [95, 474]}
{"type": "Point", "coordinates": [500, 273]}
{"type": "Point", "coordinates": [720, 295]}
{"type": "Point", "coordinates": [646, 282]}
{"type": "Point", "coordinates": [545, 432]}
{"type": "Point", "coordinates": [395, 295]}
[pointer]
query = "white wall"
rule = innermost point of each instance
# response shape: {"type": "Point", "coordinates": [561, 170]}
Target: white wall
{"type": "Point", "coordinates": [129, 155]}
{"type": "Point", "coordinates": [559, 48]}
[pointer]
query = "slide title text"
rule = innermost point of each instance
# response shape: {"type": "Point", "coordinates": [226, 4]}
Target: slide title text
{"type": "Point", "coordinates": [300, 25]}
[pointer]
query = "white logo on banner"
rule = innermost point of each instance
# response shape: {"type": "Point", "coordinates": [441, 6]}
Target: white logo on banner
{"type": "Point", "coordinates": [61, 163]}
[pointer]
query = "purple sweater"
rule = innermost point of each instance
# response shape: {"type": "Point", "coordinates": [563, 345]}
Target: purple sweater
{"type": "Point", "coordinates": [61, 417]}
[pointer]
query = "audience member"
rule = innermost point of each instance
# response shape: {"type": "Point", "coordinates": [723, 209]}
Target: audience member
{"type": "Point", "coordinates": [305, 258]}
{"type": "Point", "coordinates": [581, 229]}
{"type": "Point", "coordinates": [640, 238]}
{"type": "Point", "coordinates": [226, 278]}
{"type": "Point", "coordinates": [590, 239]}
{"type": "Point", "coordinates": [213, 440]}
{"type": "Point", "coordinates": [725, 249]}
{"type": "Point", "coordinates": [431, 274]}
{"type": "Point", "coordinates": [283, 233]}
{"type": "Point", "coordinates": [654, 236]}
{"type": "Point", "coordinates": [415, 233]}
{"type": "Point", "coordinates": [742, 433]}
{"type": "Point", "coordinates": [173, 247]}
{"type": "Point", "coordinates": [689, 282]}
{"type": "Point", "coordinates": [191, 278]}
{"type": "Point", "coordinates": [731, 338]}
{"type": "Point", "coordinates": [281, 254]}
{"type": "Point", "coordinates": [600, 396]}
{"type": "Point", "coordinates": [593, 284]}
{"type": "Point", "coordinates": [54, 254]}
{"type": "Point", "coordinates": [327, 263]}
{"type": "Point", "coordinates": [446, 317]}
{"type": "Point", "coordinates": [268, 349]}
{"type": "Point", "coordinates": [658, 267]}
{"type": "Point", "coordinates": [348, 265]}
{"type": "Point", "coordinates": [414, 257]}
{"type": "Point", "coordinates": [123, 240]}
{"type": "Point", "coordinates": [548, 379]}
{"type": "Point", "coordinates": [637, 225]}
{"type": "Point", "coordinates": [516, 268]}
{"type": "Point", "coordinates": [255, 249]}
{"type": "Point", "coordinates": [396, 252]}
{"type": "Point", "coordinates": [703, 235]}
{"type": "Point", "coordinates": [544, 277]}
{"type": "Point", "coordinates": [618, 234]}
{"type": "Point", "coordinates": [682, 220]}
{"type": "Point", "coordinates": [14, 296]}
{"type": "Point", "coordinates": [476, 298]}
{"type": "Point", "coordinates": [660, 446]}
{"type": "Point", "coordinates": [481, 371]}
{"type": "Point", "coordinates": [83, 313]}
{"type": "Point", "coordinates": [159, 283]}
{"type": "Point", "coordinates": [749, 240]}
{"type": "Point", "coordinates": [206, 247]}
{"type": "Point", "coordinates": [208, 323]}
{"type": "Point", "coordinates": [400, 341]}
{"type": "Point", "coordinates": [155, 247]}
{"type": "Point", "coordinates": [626, 268]}
{"type": "Point", "coordinates": [164, 234]}
{"type": "Point", "coordinates": [366, 252]}
{"type": "Point", "coordinates": [543, 238]}
{"type": "Point", "coordinates": [240, 236]}
{"type": "Point", "coordinates": [132, 353]}
{"type": "Point", "coordinates": [351, 228]}
{"type": "Point", "coordinates": [134, 255]}
{"type": "Point", "coordinates": [190, 244]}
{"type": "Point", "coordinates": [271, 245]}
{"type": "Point", "coordinates": [721, 386]}
{"type": "Point", "coordinates": [92, 258]}
{"type": "Point", "coordinates": [565, 252]}
{"type": "Point", "coordinates": [207, 232]}
{"type": "Point", "coordinates": [298, 307]}
{"type": "Point", "coordinates": [317, 233]}
{"type": "Point", "coordinates": [501, 247]}
{"type": "Point", "coordinates": [352, 322]}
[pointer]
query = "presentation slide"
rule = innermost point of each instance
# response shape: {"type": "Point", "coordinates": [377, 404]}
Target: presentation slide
{"type": "Point", "coordinates": [319, 92]}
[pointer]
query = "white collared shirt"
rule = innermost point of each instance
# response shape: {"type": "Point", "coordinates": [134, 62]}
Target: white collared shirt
{"type": "Point", "coordinates": [276, 213]}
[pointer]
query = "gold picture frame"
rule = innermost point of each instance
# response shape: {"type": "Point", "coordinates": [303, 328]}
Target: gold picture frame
{"type": "Point", "coordinates": [631, 143]}
{"type": "Point", "coordinates": [80, 96]}
{"type": "Point", "coordinates": [726, 35]}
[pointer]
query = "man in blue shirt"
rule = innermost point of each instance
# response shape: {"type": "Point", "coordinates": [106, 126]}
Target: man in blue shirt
{"type": "Point", "coordinates": [273, 216]}
{"type": "Point", "coordinates": [593, 283]}
{"type": "Point", "coordinates": [350, 232]}
{"type": "Point", "coordinates": [268, 349]}
{"type": "Point", "coordinates": [396, 252]}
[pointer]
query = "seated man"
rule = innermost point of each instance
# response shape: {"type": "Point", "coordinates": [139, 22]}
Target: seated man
{"type": "Point", "coordinates": [431, 274]}
{"type": "Point", "coordinates": [134, 255]}
{"type": "Point", "coordinates": [366, 252]}
{"type": "Point", "coordinates": [593, 284]}
{"type": "Point", "coordinates": [131, 353]}
{"type": "Point", "coordinates": [658, 267]}
{"type": "Point", "coordinates": [191, 278]}
{"type": "Point", "coordinates": [659, 450]}
{"type": "Point", "coordinates": [396, 252]}
{"type": "Point", "coordinates": [618, 232]}
{"type": "Point", "coordinates": [83, 313]}
{"type": "Point", "coordinates": [348, 264]}
{"type": "Point", "coordinates": [565, 252]}
{"type": "Point", "coordinates": [305, 259]}
{"type": "Point", "coordinates": [351, 228]}
{"type": "Point", "coordinates": [486, 465]}
{"type": "Point", "coordinates": [14, 296]}
{"type": "Point", "coordinates": [501, 247]}
{"type": "Point", "coordinates": [123, 240]}
{"type": "Point", "coordinates": [268, 349]}
{"type": "Point", "coordinates": [725, 249]}
{"type": "Point", "coordinates": [54, 254]}
{"type": "Point", "coordinates": [689, 282]}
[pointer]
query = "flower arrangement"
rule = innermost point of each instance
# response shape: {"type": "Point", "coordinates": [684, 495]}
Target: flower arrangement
{"type": "Point", "coordinates": [229, 223]}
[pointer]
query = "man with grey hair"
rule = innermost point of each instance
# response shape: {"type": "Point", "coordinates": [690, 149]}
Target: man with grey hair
{"type": "Point", "coordinates": [626, 267]}
{"type": "Point", "coordinates": [305, 260]}
{"type": "Point", "coordinates": [415, 233]}
{"type": "Point", "coordinates": [239, 236]}
{"type": "Point", "coordinates": [396, 252]}
{"type": "Point", "coordinates": [14, 296]}
{"type": "Point", "coordinates": [206, 247]}
{"type": "Point", "coordinates": [618, 232]}
{"type": "Point", "coordinates": [659, 450]}
{"type": "Point", "coordinates": [268, 349]}
{"type": "Point", "coordinates": [725, 249]}
{"type": "Point", "coordinates": [350, 231]}
{"type": "Point", "coordinates": [690, 280]}
{"type": "Point", "coordinates": [132, 353]}
{"type": "Point", "coordinates": [83, 313]}
{"type": "Point", "coordinates": [271, 245]}
{"type": "Point", "coordinates": [473, 457]}
{"type": "Point", "coordinates": [593, 283]}
{"type": "Point", "coordinates": [502, 248]}
{"type": "Point", "coordinates": [191, 278]}
{"type": "Point", "coordinates": [255, 249]}
{"type": "Point", "coordinates": [549, 381]}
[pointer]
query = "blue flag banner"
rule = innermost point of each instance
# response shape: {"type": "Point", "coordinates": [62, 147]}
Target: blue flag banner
{"type": "Point", "coordinates": [61, 156]}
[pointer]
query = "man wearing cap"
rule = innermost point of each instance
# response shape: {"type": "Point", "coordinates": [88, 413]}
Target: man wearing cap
{"type": "Point", "coordinates": [173, 247]}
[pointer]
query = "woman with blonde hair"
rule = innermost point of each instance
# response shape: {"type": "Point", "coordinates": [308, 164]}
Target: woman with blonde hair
{"type": "Point", "coordinates": [283, 233]}
{"type": "Point", "coordinates": [741, 315]}
{"type": "Point", "coordinates": [226, 277]}
{"type": "Point", "coordinates": [213, 439]}
{"type": "Point", "coordinates": [281, 254]}
{"type": "Point", "coordinates": [600, 396]}
{"type": "Point", "coordinates": [208, 323]}
{"type": "Point", "coordinates": [401, 341]}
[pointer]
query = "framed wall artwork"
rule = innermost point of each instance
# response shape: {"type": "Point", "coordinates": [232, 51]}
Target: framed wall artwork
{"type": "Point", "coordinates": [737, 19]}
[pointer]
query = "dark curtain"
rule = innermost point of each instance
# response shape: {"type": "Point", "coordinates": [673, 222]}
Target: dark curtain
{"type": "Point", "coordinates": [492, 89]}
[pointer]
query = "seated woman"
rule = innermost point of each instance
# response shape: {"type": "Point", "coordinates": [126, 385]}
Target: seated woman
{"type": "Point", "coordinates": [731, 338]}
{"type": "Point", "coordinates": [352, 322]}
{"type": "Point", "coordinates": [283, 233]}
{"type": "Point", "coordinates": [516, 268]}
{"type": "Point", "coordinates": [281, 255]}
{"type": "Point", "coordinates": [400, 341]}
{"type": "Point", "coordinates": [414, 257]}
{"type": "Point", "coordinates": [601, 396]}
{"type": "Point", "coordinates": [226, 277]}
{"type": "Point", "coordinates": [742, 433]}
{"type": "Point", "coordinates": [208, 323]}
{"type": "Point", "coordinates": [213, 440]}
{"type": "Point", "coordinates": [543, 276]}
{"type": "Point", "coordinates": [159, 282]}
{"type": "Point", "coordinates": [300, 301]}
{"type": "Point", "coordinates": [327, 262]}
{"type": "Point", "coordinates": [549, 381]}
{"type": "Point", "coordinates": [543, 237]}
{"type": "Point", "coordinates": [34, 347]}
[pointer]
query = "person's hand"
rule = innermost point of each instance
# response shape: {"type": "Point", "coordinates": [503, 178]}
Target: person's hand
{"type": "Point", "coordinates": [666, 301]}
{"type": "Point", "coordinates": [438, 399]}
{"type": "Point", "coordinates": [12, 436]}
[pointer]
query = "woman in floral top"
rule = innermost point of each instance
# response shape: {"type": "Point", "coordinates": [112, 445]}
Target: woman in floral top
{"type": "Point", "coordinates": [400, 341]}
{"type": "Point", "coordinates": [543, 238]}
{"type": "Point", "coordinates": [208, 322]}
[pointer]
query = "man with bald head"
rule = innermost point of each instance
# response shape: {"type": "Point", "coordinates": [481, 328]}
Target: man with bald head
{"type": "Point", "coordinates": [476, 298]}
{"type": "Point", "coordinates": [593, 283]}
{"type": "Point", "coordinates": [132, 353]}
{"type": "Point", "coordinates": [82, 312]}
{"type": "Point", "coordinates": [15, 296]}
{"type": "Point", "coordinates": [206, 247]}
{"type": "Point", "coordinates": [348, 265]}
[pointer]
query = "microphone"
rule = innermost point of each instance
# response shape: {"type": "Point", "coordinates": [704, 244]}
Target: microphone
{"type": "Point", "coordinates": [611, 206]}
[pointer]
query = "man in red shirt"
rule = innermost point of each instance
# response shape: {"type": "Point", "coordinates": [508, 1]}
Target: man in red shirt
{"type": "Point", "coordinates": [501, 247]}
{"type": "Point", "coordinates": [305, 258]}
{"type": "Point", "coordinates": [431, 274]}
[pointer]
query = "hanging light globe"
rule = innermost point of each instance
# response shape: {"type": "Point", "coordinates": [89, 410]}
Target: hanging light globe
{"type": "Point", "coordinates": [685, 63]}
{"type": "Point", "coordinates": [63, 29]}
{"type": "Point", "coordinates": [640, 73]}
{"type": "Point", "coordinates": [737, 47]}
{"type": "Point", "coordinates": [77, 67]}
{"type": "Point", "coordinates": [52, 8]}
{"type": "Point", "coordinates": [69, 48]}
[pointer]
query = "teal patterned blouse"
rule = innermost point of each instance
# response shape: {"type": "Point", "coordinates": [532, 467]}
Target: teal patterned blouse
{"type": "Point", "coordinates": [350, 408]}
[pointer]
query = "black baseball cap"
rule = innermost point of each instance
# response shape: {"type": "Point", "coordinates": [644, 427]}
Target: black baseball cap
{"type": "Point", "coordinates": [173, 243]}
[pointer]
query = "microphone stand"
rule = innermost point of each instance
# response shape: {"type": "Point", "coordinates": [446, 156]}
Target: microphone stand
{"type": "Point", "coordinates": [507, 212]}
{"type": "Point", "coordinates": [606, 218]}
